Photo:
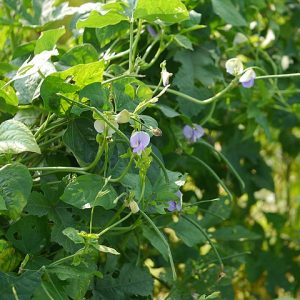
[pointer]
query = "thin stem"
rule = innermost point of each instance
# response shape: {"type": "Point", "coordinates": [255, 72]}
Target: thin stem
{"type": "Point", "coordinates": [198, 101]}
{"type": "Point", "coordinates": [120, 77]}
{"type": "Point", "coordinates": [214, 174]}
{"type": "Point", "coordinates": [222, 156]}
{"type": "Point", "coordinates": [209, 115]}
{"type": "Point", "coordinates": [130, 70]}
{"type": "Point", "coordinates": [202, 201]}
{"type": "Point", "coordinates": [164, 241]}
{"type": "Point", "coordinates": [124, 172]}
{"type": "Point", "coordinates": [115, 224]}
{"type": "Point", "coordinates": [278, 76]}
{"type": "Point", "coordinates": [91, 219]}
{"type": "Point", "coordinates": [207, 238]}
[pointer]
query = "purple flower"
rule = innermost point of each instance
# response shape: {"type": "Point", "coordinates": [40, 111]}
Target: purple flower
{"type": "Point", "coordinates": [139, 140]}
{"type": "Point", "coordinates": [192, 134]}
{"type": "Point", "coordinates": [176, 205]}
{"type": "Point", "coordinates": [247, 79]}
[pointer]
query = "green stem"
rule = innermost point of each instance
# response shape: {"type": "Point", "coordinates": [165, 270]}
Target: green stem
{"type": "Point", "coordinates": [214, 174]}
{"type": "Point", "coordinates": [233, 170]}
{"type": "Point", "coordinates": [120, 77]}
{"type": "Point", "coordinates": [203, 201]}
{"type": "Point", "coordinates": [207, 238]}
{"type": "Point", "coordinates": [130, 70]}
{"type": "Point", "coordinates": [115, 224]}
{"type": "Point", "coordinates": [278, 76]}
{"type": "Point", "coordinates": [209, 115]}
{"type": "Point", "coordinates": [91, 219]}
{"type": "Point", "coordinates": [124, 172]}
{"type": "Point", "coordinates": [164, 241]}
{"type": "Point", "coordinates": [198, 101]}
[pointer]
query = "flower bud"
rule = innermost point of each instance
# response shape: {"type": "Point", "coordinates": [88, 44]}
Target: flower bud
{"type": "Point", "coordinates": [234, 66]}
{"type": "Point", "coordinates": [123, 116]}
{"type": "Point", "coordinates": [165, 76]}
{"type": "Point", "coordinates": [134, 207]}
{"type": "Point", "coordinates": [156, 132]}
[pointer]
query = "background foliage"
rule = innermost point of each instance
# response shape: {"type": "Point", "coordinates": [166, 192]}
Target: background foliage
{"type": "Point", "coordinates": [66, 232]}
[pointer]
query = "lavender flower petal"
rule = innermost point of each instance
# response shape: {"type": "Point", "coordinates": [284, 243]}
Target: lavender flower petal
{"type": "Point", "coordinates": [139, 141]}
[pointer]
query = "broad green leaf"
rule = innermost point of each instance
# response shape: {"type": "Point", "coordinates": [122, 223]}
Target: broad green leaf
{"type": "Point", "coordinates": [8, 98]}
{"type": "Point", "coordinates": [82, 54]}
{"type": "Point", "coordinates": [48, 39]}
{"type": "Point", "coordinates": [9, 257]}
{"type": "Point", "coordinates": [100, 20]}
{"type": "Point", "coordinates": [132, 280]}
{"type": "Point", "coordinates": [84, 74]}
{"type": "Point", "coordinates": [183, 41]}
{"type": "Point", "coordinates": [20, 234]}
{"type": "Point", "coordinates": [170, 11]}
{"type": "Point", "coordinates": [80, 138]}
{"type": "Point", "coordinates": [168, 111]}
{"type": "Point", "coordinates": [15, 188]}
{"type": "Point", "coordinates": [155, 241]}
{"type": "Point", "coordinates": [228, 12]}
{"type": "Point", "coordinates": [235, 233]}
{"type": "Point", "coordinates": [37, 204]}
{"type": "Point", "coordinates": [23, 285]}
{"type": "Point", "coordinates": [111, 32]}
{"type": "Point", "coordinates": [73, 235]}
{"type": "Point", "coordinates": [87, 191]}
{"type": "Point", "coordinates": [53, 85]}
{"type": "Point", "coordinates": [15, 137]}
{"type": "Point", "coordinates": [190, 235]}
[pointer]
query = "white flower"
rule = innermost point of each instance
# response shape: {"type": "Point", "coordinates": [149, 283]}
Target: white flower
{"type": "Point", "coordinates": [165, 76]}
{"type": "Point", "coordinates": [234, 66]}
{"type": "Point", "coordinates": [100, 126]}
{"type": "Point", "coordinates": [247, 79]}
{"type": "Point", "coordinates": [123, 116]}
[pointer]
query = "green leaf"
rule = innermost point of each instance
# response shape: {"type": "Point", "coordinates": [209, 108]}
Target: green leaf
{"type": "Point", "coordinates": [84, 74]}
{"type": "Point", "coordinates": [80, 138]}
{"type": "Point", "coordinates": [87, 191]}
{"type": "Point", "coordinates": [235, 233]}
{"type": "Point", "coordinates": [16, 138]}
{"type": "Point", "coordinates": [48, 39]}
{"type": "Point", "coordinates": [20, 234]}
{"type": "Point", "coordinates": [82, 54]}
{"type": "Point", "coordinates": [183, 41]}
{"type": "Point", "coordinates": [37, 204]}
{"type": "Point", "coordinates": [170, 11]}
{"type": "Point", "coordinates": [132, 280]}
{"type": "Point", "coordinates": [15, 188]}
{"type": "Point", "coordinates": [100, 20]}
{"type": "Point", "coordinates": [23, 285]}
{"type": "Point", "coordinates": [49, 89]}
{"type": "Point", "coordinates": [228, 12]}
{"type": "Point", "coordinates": [73, 235]}
{"type": "Point", "coordinates": [8, 98]}
{"type": "Point", "coordinates": [155, 241]}
{"type": "Point", "coordinates": [190, 235]}
{"type": "Point", "coordinates": [111, 32]}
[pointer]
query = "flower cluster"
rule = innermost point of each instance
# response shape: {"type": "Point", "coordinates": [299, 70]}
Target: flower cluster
{"type": "Point", "coordinates": [235, 67]}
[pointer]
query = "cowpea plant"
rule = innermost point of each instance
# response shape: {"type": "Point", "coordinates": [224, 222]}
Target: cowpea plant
{"type": "Point", "coordinates": [102, 149]}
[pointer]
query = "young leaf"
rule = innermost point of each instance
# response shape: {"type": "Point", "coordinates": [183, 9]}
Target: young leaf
{"type": "Point", "coordinates": [48, 39]}
{"type": "Point", "coordinates": [170, 11]}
